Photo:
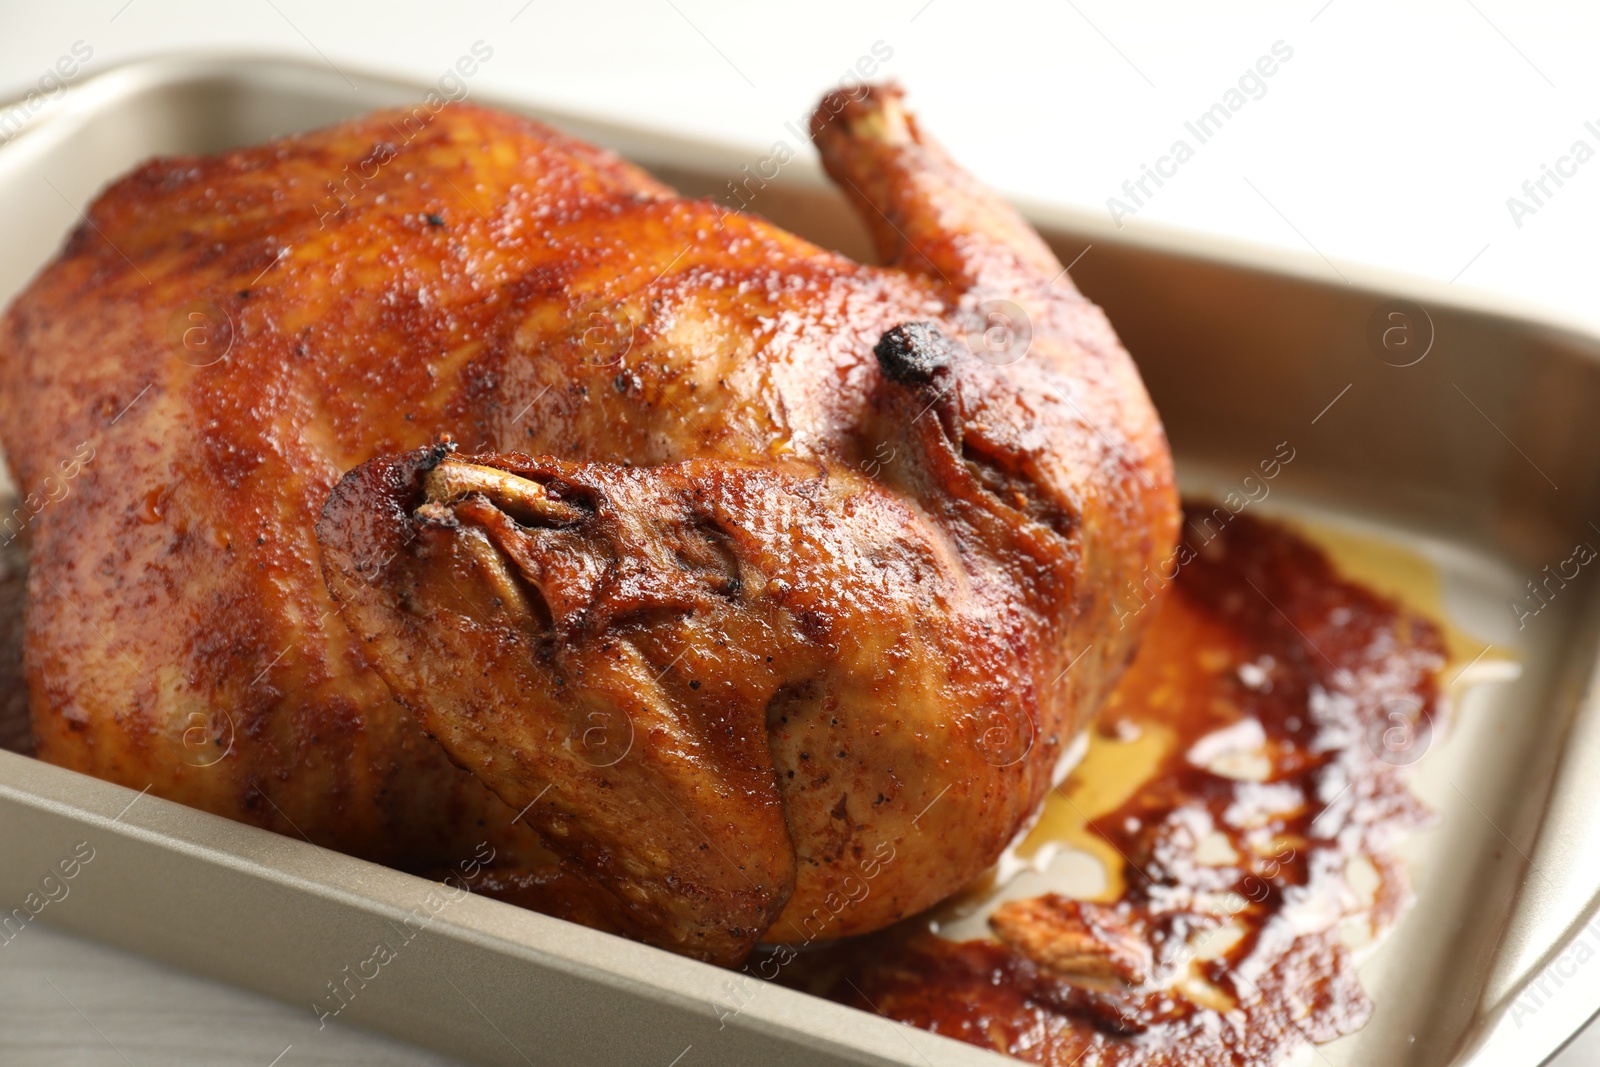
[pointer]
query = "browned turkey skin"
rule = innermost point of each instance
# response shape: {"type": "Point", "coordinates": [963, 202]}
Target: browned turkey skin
{"type": "Point", "coordinates": [767, 604]}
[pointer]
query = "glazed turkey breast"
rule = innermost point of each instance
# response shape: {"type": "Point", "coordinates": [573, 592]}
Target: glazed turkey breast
{"type": "Point", "coordinates": [728, 589]}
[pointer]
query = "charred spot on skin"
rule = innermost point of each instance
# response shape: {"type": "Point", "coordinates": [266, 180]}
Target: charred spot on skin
{"type": "Point", "coordinates": [913, 353]}
{"type": "Point", "coordinates": [435, 453]}
{"type": "Point", "coordinates": [917, 355]}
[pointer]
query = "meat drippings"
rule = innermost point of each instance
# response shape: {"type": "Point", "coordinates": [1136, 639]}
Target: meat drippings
{"type": "Point", "coordinates": [1286, 703]}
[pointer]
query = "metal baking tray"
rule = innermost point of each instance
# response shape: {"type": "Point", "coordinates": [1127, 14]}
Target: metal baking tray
{"type": "Point", "coordinates": [1480, 455]}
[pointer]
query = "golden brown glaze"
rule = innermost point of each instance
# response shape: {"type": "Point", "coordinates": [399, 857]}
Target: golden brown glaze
{"type": "Point", "coordinates": [1212, 954]}
{"type": "Point", "coordinates": [829, 584]}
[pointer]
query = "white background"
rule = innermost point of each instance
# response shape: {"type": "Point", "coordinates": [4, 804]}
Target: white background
{"type": "Point", "coordinates": [1394, 136]}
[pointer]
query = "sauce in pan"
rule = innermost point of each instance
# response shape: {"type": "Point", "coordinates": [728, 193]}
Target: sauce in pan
{"type": "Point", "coordinates": [1244, 794]}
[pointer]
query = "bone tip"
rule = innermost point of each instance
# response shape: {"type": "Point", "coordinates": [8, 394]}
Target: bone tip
{"type": "Point", "coordinates": [866, 112]}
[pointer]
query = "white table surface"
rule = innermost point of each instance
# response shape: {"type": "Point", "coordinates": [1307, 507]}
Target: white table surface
{"type": "Point", "coordinates": [1394, 135]}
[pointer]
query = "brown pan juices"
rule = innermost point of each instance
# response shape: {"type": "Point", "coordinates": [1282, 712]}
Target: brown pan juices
{"type": "Point", "coordinates": [1276, 706]}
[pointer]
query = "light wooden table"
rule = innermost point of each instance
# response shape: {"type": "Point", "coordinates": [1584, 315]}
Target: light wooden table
{"type": "Point", "coordinates": [66, 1002]}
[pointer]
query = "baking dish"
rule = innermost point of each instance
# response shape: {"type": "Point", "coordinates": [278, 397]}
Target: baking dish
{"type": "Point", "coordinates": [1474, 454]}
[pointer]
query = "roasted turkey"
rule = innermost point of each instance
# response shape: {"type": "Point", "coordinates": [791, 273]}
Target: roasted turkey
{"type": "Point", "coordinates": [453, 483]}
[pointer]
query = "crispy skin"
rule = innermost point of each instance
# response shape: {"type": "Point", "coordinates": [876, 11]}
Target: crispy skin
{"type": "Point", "coordinates": [828, 596]}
